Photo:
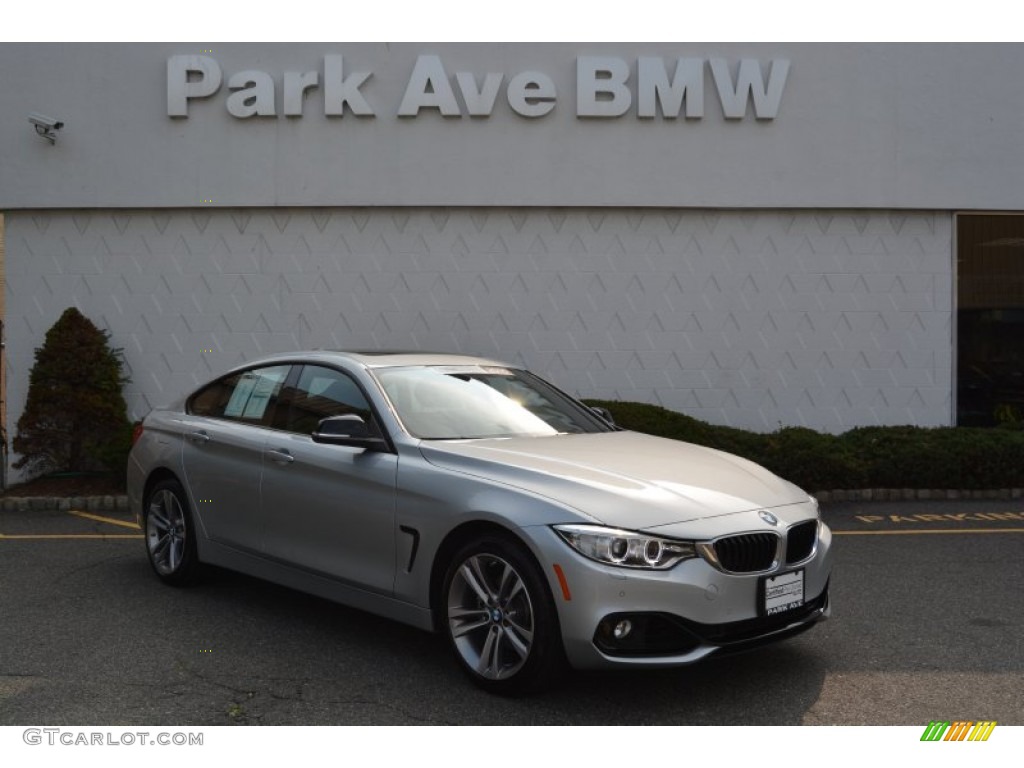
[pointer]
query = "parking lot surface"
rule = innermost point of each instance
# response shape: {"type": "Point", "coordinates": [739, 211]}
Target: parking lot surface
{"type": "Point", "coordinates": [928, 621]}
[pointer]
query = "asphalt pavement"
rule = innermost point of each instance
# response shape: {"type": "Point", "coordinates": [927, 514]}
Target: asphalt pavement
{"type": "Point", "coordinates": [928, 616]}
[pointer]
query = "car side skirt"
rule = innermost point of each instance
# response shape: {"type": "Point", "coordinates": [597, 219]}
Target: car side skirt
{"type": "Point", "coordinates": [315, 584]}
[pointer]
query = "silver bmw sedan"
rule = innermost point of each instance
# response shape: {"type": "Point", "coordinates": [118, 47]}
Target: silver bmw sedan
{"type": "Point", "coordinates": [465, 496]}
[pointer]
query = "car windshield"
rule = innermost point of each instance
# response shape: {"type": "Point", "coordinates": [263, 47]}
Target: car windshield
{"type": "Point", "coordinates": [452, 403]}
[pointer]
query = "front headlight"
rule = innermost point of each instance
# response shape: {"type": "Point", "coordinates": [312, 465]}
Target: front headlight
{"type": "Point", "coordinates": [628, 549]}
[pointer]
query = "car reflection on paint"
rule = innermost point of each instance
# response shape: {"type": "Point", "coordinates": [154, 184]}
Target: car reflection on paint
{"type": "Point", "coordinates": [463, 495]}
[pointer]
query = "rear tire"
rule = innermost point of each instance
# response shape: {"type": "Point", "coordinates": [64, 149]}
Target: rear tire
{"type": "Point", "coordinates": [170, 534]}
{"type": "Point", "coordinates": [500, 619]}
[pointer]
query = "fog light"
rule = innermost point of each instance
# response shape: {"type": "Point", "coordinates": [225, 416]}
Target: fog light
{"type": "Point", "coordinates": [622, 629]}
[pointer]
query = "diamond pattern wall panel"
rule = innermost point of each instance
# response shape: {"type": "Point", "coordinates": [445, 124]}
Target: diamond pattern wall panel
{"type": "Point", "coordinates": [829, 319]}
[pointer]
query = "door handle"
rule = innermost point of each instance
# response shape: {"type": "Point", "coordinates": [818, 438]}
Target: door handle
{"type": "Point", "coordinates": [199, 437]}
{"type": "Point", "coordinates": [280, 456]}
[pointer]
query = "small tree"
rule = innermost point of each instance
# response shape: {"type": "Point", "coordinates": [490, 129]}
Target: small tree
{"type": "Point", "coordinates": [75, 417]}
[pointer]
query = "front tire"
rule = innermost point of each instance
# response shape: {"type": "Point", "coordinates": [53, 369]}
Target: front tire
{"type": "Point", "coordinates": [500, 619]}
{"type": "Point", "coordinates": [170, 534]}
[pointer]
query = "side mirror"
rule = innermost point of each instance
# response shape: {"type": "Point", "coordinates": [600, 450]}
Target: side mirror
{"type": "Point", "coordinates": [604, 413]}
{"type": "Point", "coordinates": [349, 430]}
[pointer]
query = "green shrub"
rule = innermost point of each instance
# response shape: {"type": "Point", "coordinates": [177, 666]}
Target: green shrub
{"type": "Point", "coordinates": [942, 457]}
{"type": "Point", "coordinates": [75, 417]}
{"type": "Point", "coordinates": [893, 456]}
{"type": "Point", "coordinates": [965, 458]}
{"type": "Point", "coordinates": [813, 459]}
{"type": "Point", "coordinates": [655, 420]}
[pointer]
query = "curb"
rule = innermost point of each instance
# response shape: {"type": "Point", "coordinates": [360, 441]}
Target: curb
{"type": "Point", "coordinates": [65, 503]}
{"type": "Point", "coordinates": [917, 494]}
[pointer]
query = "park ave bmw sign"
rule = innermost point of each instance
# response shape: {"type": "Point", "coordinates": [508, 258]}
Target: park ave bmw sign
{"type": "Point", "coordinates": [606, 87]}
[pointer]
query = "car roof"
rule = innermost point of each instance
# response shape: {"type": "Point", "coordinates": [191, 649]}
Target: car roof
{"type": "Point", "coordinates": [377, 358]}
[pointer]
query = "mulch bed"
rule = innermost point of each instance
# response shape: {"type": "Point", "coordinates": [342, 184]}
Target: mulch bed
{"type": "Point", "coordinates": [68, 485]}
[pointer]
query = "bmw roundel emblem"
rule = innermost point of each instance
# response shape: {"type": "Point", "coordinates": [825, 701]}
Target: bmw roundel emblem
{"type": "Point", "coordinates": [768, 517]}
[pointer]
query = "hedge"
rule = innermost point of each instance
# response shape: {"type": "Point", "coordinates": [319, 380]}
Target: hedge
{"type": "Point", "coordinates": [957, 458]}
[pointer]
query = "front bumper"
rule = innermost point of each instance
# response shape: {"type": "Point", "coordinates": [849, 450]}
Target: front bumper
{"type": "Point", "coordinates": [678, 616]}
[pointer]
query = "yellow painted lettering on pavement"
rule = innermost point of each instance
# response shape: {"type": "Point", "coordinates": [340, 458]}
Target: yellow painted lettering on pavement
{"type": "Point", "coordinates": [870, 518]}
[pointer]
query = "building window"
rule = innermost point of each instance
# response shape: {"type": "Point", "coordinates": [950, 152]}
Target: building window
{"type": "Point", "coordinates": [990, 319]}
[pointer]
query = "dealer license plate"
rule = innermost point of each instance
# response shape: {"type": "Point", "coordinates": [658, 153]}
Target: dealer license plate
{"type": "Point", "coordinates": [783, 592]}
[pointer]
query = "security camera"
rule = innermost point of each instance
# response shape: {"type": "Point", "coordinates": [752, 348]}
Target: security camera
{"type": "Point", "coordinates": [45, 126]}
{"type": "Point", "coordinates": [45, 122]}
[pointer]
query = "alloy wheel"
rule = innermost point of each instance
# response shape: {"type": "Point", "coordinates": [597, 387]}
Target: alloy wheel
{"type": "Point", "coordinates": [490, 616]}
{"type": "Point", "coordinates": [166, 532]}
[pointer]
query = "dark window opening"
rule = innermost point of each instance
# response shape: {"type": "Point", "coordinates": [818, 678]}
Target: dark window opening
{"type": "Point", "coordinates": [990, 320]}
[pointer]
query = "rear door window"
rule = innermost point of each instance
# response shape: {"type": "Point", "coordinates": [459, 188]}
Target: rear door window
{"type": "Point", "coordinates": [247, 396]}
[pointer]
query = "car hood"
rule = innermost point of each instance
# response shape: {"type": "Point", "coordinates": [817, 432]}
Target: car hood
{"type": "Point", "coordinates": [624, 479]}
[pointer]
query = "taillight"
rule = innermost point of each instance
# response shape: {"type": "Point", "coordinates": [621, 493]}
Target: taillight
{"type": "Point", "coordinates": [136, 432]}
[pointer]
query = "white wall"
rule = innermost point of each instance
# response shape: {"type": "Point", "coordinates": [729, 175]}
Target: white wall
{"type": "Point", "coordinates": [878, 126]}
{"type": "Point", "coordinates": [829, 319]}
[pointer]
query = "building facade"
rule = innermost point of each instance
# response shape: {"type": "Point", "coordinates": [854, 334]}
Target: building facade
{"type": "Point", "coordinates": [754, 234]}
